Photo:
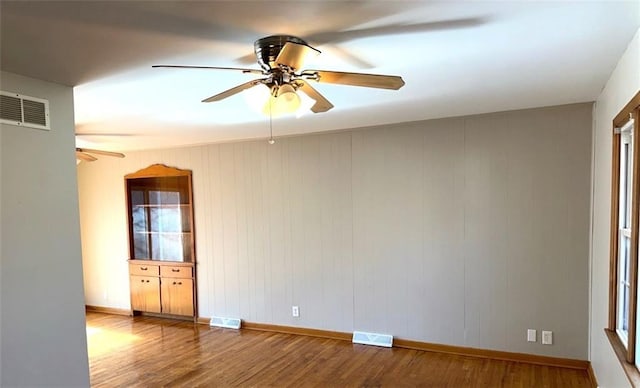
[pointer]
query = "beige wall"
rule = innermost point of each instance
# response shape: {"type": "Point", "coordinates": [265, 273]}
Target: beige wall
{"type": "Point", "coordinates": [623, 84]}
{"type": "Point", "coordinates": [43, 323]}
{"type": "Point", "coordinates": [463, 231]}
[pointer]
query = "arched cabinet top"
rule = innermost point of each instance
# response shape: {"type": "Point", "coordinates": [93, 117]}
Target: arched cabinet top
{"type": "Point", "coordinates": [158, 170]}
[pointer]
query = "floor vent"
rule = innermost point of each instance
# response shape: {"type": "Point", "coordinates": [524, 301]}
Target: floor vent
{"type": "Point", "coordinates": [229, 323]}
{"type": "Point", "coordinates": [24, 111]}
{"type": "Point", "coordinates": [376, 339]}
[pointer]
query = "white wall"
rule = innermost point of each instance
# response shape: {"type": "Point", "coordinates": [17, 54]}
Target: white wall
{"type": "Point", "coordinates": [463, 231]}
{"type": "Point", "coordinates": [0, 252]}
{"type": "Point", "coordinates": [623, 84]}
{"type": "Point", "coordinates": [43, 325]}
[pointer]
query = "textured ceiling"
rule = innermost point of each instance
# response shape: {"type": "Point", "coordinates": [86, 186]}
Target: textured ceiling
{"type": "Point", "coordinates": [456, 58]}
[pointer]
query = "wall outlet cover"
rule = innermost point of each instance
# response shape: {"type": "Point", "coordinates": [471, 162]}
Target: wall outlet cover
{"type": "Point", "coordinates": [547, 337]}
{"type": "Point", "coordinates": [531, 335]}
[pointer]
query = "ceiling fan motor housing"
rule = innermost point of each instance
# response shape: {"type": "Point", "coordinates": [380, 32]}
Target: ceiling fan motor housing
{"type": "Point", "coordinates": [268, 48]}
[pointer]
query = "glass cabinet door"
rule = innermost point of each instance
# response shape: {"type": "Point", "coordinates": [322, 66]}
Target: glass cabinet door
{"type": "Point", "coordinates": [160, 218]}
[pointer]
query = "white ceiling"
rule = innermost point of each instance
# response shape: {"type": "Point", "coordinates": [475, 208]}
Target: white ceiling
{"type": "Point", "coordinates": [457, 58]}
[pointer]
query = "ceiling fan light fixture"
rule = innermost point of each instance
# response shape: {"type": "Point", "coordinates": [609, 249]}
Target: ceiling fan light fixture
{"type": "Point", "coordinates": [283, 101]}
{"type": "Point", "coordinates": [288, 97]}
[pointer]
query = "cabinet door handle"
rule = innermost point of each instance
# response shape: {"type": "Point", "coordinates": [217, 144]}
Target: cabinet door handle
{"type": "Point", "coordinates": [174, 283]}
{"type": "Point", "coordinates": [142, 281]}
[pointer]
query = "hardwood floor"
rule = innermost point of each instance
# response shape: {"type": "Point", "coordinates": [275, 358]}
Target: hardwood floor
{"type": "Point", "coordinates": [154, 352]}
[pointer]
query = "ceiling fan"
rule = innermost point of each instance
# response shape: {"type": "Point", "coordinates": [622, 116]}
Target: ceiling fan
{"type": "Point", "coordinates": [85, 154]}
{"type": "Point", "coordinates": [281, 58]}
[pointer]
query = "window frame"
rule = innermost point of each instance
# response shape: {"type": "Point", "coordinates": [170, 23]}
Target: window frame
{"type": "Point", "coordinates": [626, 153]}
{"type": "Point", "coordinates": [625, 352]}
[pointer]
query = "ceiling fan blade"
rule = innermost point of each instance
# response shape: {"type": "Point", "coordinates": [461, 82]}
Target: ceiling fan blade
{"type": "Point", "coordinates": [243, 70]}
{"type": "Point", "coordinates": [234, 90]}
{"type": "Point", "coordinates": [350, 57]}
{"type": "Point", "coordinates": [293, 55]}
{"type": "Point", "coordinates": [248, 59]}
{"type": "Point", "coordinates": [322, 104]}
{"type": "Point", "coordinates": [333, 36]}
{"type": "Point", "coordinates": [110, 134]}
{"type": "Point", "coordinates": [355, 79]}
{"type": "Point", "coordinates": [100, 152]}
{"type": "Point", "coordinates": [85, 157]}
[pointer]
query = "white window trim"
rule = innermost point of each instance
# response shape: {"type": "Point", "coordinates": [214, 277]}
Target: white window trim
{"type": "Point", "coordinates": [624, 220]}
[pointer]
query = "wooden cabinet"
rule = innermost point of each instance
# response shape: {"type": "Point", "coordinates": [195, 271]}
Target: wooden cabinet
{"type": "Point", "coordinates": [177, 289]}
{"type": "Point", "coordinates": [162, 261]}
{"type": "Point", "coordinates": [161, 288]}
{"type": "Point", "coordinates": [145, 293]}
{"type": "Point", "coordinates": [176, 296]}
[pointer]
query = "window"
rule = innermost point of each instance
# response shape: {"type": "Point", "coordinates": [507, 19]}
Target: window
{"type": "Point", "coordinates": [625, 177]}
{"type": "Point", "coordinates": [623, 324]}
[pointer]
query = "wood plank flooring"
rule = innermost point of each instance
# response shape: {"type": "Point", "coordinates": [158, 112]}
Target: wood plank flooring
{"type": "Point", "coordinates": [155, 352]}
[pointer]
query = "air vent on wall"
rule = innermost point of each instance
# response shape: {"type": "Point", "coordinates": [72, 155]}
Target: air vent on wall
{"type": "Point", "coordinates": [24, 111]}
{"type": "Point", "coordinates": [360, 337]}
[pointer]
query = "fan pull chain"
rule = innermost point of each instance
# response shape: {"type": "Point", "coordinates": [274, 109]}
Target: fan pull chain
{"type": "Point", "coordinates": [271, 140]}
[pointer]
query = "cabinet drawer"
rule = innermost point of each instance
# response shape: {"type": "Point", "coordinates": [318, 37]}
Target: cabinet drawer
{"type": "Point", "coordinates": [144, 269]}
{"type": "Point", "coordinates": [167, 271]}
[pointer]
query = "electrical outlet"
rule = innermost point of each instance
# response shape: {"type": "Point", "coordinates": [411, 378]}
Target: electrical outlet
{"type": "Point", "coordinates": [547, 337]}
{"type": "Point", "coordinates": [295, 311]}
{"type": "Point", "coordinates": [531, 335]}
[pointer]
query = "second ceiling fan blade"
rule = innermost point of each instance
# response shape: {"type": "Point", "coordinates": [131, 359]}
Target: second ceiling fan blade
{"type": "Point", "coordinates": [234, 90]}
{"type": "Point", "coordinates": [250, 71]}
{"type": "Point", "coordinates": [322, 104]}
{"type": "Point", "coordinates": [85, 157]}
{"type": "Point", "coordinates": [100, 152]}
{"type": "Point", "coordinates": [379, 81]}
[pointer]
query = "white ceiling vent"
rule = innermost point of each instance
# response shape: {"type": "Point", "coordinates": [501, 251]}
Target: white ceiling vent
{"type": "Point", "coordinates": [24, 111]}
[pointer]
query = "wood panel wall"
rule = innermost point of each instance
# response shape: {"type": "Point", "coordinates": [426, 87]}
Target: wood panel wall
{"type": "Point", "coordinates": [464, 231]}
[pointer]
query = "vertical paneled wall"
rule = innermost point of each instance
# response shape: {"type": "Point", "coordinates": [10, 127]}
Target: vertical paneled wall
{"type": "Point", "coordinates": [463, 231]}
